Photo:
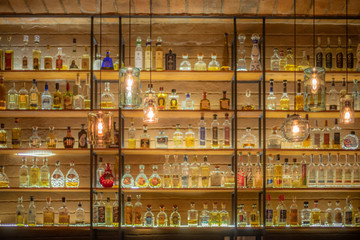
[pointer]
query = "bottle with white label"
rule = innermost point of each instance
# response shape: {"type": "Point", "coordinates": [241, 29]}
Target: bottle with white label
{"type": "Point", "coordinates": [138, 54]}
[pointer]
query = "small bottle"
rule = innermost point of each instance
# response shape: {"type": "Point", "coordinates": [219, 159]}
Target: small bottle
{"type": "Point", "coordinates": [175, 218]}
{"type": "Point", "coordinates": [325, 136]}
{"type": "Point", "coordinates": [20, 213]}
{"type": "Point", "coordinates": [64, 214]}
{"type": "Point", "coordinates": [24, 174]}
{"type": "Point", "coordinates": [195, 174]}
{"type": "Point", "coordinates": [338, 215]}
{"type": "Point", "coordinates": [271, 99]}
{"type": "Point", "coordinates": [36, 53]}
{"type": "Point", "coordinates": [255, 64]}
{"type": "Point", "coordinates": [25, 57]}
{"type": "Point", "coordinates": [87, 93]}
{"type": "Point", "coordinates": [45, 174]}
{"type": "Point", "coordinates": [34, 180]}
{"type": "Point", "coordinates": [3, 136]}
{"type": "Point", "coordinates": [4, 180]}
{"type": "Point", "coordinates": [141, 180]}
{"type": "Point", "coordinates": [226, 132]}
{"type": "Point", "coordinates": [138, 212]}
{"type": "Point", "coordinates": [274, 140]}
{"type": "Point", "coordinates": [48, 59]}
{"type": "Point", "coordinates": [16, 135]}
{"type": "Point", "coordinates": [329, 216]}
{"type": "Point", "coordinates": [205, 173]}
{"type": "Point", "coordinates": [34, 96]}
{"type": "Point", "coordinates": [149, 217]}
{"type": "Point", "coordinates": [101, 211]}
{"type": "Point", "coordinates": [216, 178]}
{"type": "Point", "coordinates": [35, 140]}
{"type": "Point", "coordinates": [57, 177]}
{"type": "Point", "coordinates": [202, 132]}
{"type": "Point", "coordinates": [85, 60]}
{"type": "Point", "coordinates": [107, 63]}
{"type": "Point", "coordinates": [315, 215]}
{"type": "Point", "coordinates": [82, 136]}
{"type": "Point", "coordinates": [282, 60]}
{"type": "Point", "coordinates": [299, 98]}
{"type": "Point", "coordinates": [73, 63]}
{"type": "Point", "coordinates": [214, 216]}
{"type": "Point", "coordinates": [242, 216]}
{"type": "Point", "coordinates": [316, 136]}
{"type": "Point", "coordinates": [185, 65]}
{"type": "Point", "coordinates": [254, 216]}
{"type": "Point", "coordinates": [159, 55]}
{"type": "Point", "coordinates": [127, 180]}
{"type": "Point", "coordinates": [173, 100]}
{"type": "Point", "coordinates": [161, 99]}
{"type": "Point", "coordinates": [286, 179]}
{"type": "Point", "coordinates": [48, 213]}
{"type": "Point", "coordinates": [78, 99]}
{"type": "Point", "coordinates": [51, 139]}
{"type": "Point", "coordinates": [269, 172]}
{"type": "Point", "coordinates": [46, 99]}
{"type": "Point", "coordinates": [328, 56]}
{"type": "Point", "coordinates": [241, 63]}
{"type": "Point", "coordinates": [311, 173]}
{"type": "Point", "coordinates": [60, 60]}
{"type": "Point", "coordinates": [176, 173]}
{"type": "Point", "coordinates": [167, 182]}
{"type": "Point", "coordinates": [185, 173]}
{"type": "Point", "coordinates": [204, 103]}
{"type": "Point", "coordinates": [215, 133]}
{"type": "Point", "coordinates": [107, 98]}
{"type": "Point", "coordinates": [128, 218]}
{"type": "Point", "coordinates": [178, 137]}
{"type": "Point", "coordinates": [204, 219]}
{"type": "Point", "coordinates": [248, 140]}
{"type": "Point", "coordinates": [72, 177]}
{"type": "Point", "coordinates": [269, 212]}
{"type": "Point", "coordinates": [145, 139]}
{"type": "Point", "coordinates": [68, 98]}
{"type": "Point", "coordinates": [350, 141]}
{"type": "Point", "coordinates": [200, 65]}
{"type": "Point", "coordinates": [12, 98]}
{"type": "Point", "coordinates": [329, 172]}
{"type": "Point", "coordinates": [138, 54]}
{"type": "Point", "coordinates": [295, 175]}
{"type": "Point", "coordinates": [275, 61]}
{"type": "Point", "coordinates": [229, 177]}
{"type": "Point", "coordinates": [190, 138]}
{"type": "Point", "coordinates": [80, 215]}
{"type": "Point", "coordinates": [188, 103]}
{"type": "Point", "coordinates": [57, 99]}
{"type": "Point", "coordinates": [224, 102]}
{"type": "Point", "coordinates": [248, 105]}
{"type": "Point", "coordinates": [69, 140]}
{"type": "Point", "coordinates": [278, 173]}
{"type": "Point", "coordinates": [132, 135]}
{"type": "Point", "coordinates": [214, 65]}
{"type": "Point", "coordinates": [161, 218]}
{"type": "Point", "coordinates": [306, 215]}
{"type": "Point", "coordinates": [31, 216]}
{"type": "Point", "coordinates": [170, 60]}
{"type": "Point", "coordinates": [192, 216]}
{"type": "Point", "coordinates": [282, 212]}
{"type": "Point", "coordinates": [148, 55]}
{"type": "Point", "coordinates": [333, 97]}
{"type": "Point", "coordinates": [23, 97]}
{"type": "Point", "coordinates": [155, 179]}
{"type": "Point", "coordinates": [293, 220]}
{"type": "Point", "coordinates": [225, 62]}
{"type": "Point", "coordinates": [161, 140]}
{"type": "Point", "coordinates": [224, 216]}
{"type": "Point", "coordinates": [285, 101]}
{"type": "Point", "coordinates": [108, 213]}
{"type": "Point", "coordinates": [320, 172]}
{"type": "Point", "coordinates": [339, 57]}
{"type": "Point", "coordinates": [290, 66]}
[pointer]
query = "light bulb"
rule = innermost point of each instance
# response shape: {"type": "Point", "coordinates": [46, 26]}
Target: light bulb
{"type": "Point", "coordinates": [314, 82]}
{"type": "Point", "coordinates": [129, 84]}
{"type": "Point", "coordinates": [295, 129]}
{"type": "Point", "coordinates": [100, 126]}
{"type": "Point", "coordinates": [150, 115]}
{"type": "Point", "coordinates": [347, 115]}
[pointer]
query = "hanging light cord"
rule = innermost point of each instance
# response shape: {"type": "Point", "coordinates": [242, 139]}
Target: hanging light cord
{"type": "Point", "coordinates": [295, 56]}
{"type": "Point", "coordinates": [100, 45]}
{"type": "Point", "coordinates": [314, 33]}
{"type": "Point", "coordinates": [346, 40]}
{"type": "Point", "coordinates": [150, 42]}
{"type": "Point", "coordinates": [129, 33]}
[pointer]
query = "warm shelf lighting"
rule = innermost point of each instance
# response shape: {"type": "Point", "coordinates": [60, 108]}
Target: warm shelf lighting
{"type": "Point", "coordinates": [37, 153]}
{"type": "Point", "coordinates": [99, 128]}
{"type": "Point", "coordinates": [129, 88]}
{"type": "Point", "coordinates": [150, 109]}
{"type": "Point", "coordinates": [347, 113]}
{"type": "Point", "coordinates": [295, 128]}
{"type": "Point", "coordinates": [314, 89]}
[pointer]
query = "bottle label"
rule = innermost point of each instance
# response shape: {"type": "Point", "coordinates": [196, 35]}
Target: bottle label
{"type": "Point", "coordinates": [319, 59]}
{"type": "Point", "coordinates": [224, 104]}
{"type": "Point", "coordinates": [159, 59]}
{"type": "Point", "coordinates": [46, 101]}
{"type": "Point", "coordinates": [269, 214]}
{"type": "Point", "coordinates": [162, 140]}
{"type": "Point", "coordinates": [145, 143]}
{"type": "Point", "coordinates": [8, 61]}
{"type": "Point", "coordinates": [350, 60]}
{"type": "Point", "coordinates": [148, 220]}
{"type": "Point", "coordinates": [48, 63]}
{"type": "Point", "coordinates": [138, 59]}
{"type": "Point", "coordinates": [337, 138]}
{"type": "Point", "coordinates": [202, 134]}
{"type": "Point", "coordinates": [339, 60]}
{"type": "Point", "coordinates": [147, 60]}
{"type": "Point", "coordinates": [82, 140]}
{"type": "Point", "coordinates": [204, 105]}
{"type": "Point", "coordinates": [333, 107]}
{"type": "Point", "coordinates": [215, 131]}
{"type": "Point", "coordinates": [348, 218]}
{"type": "Point", "coordinates": [85, 65]}
{"type": "Point", "coordinates": [328, 60]}
{"type": "Point", "coordinates": [175, 219]}
{"type": "Point", "coordinates": [241, 179]}
{"type": "Point", "coordinates": [170, 61]}
{"type": "Point", "coordinates": [173, 104]}
{"type": "Point", "coordinates": [59, 64]}
{"type": "Point", "coordinates": [115, 214]}
{"type": "Point", "coordinates": [282, 216]}
{"type": "Point", "coordinates": [338, 217]}
{"type": "Point", "coordinates": [326, 139]}
{"type": "Point", "coordinates": [317, 139]}
{"type": "Point", "coordinates": [24, 62]}
{"type": "Point", "coordinates": [36, 63]}
{"type": "Point", "coordinates": [33, 97]}
{"type": "Point", "coordinates": [137, 214]}
{"type": "Point", "coordinates": [161, 103]}
{"type": "Point", "coordinates": [269, 181]}
{"type": "Point", "coordinates": [128, 215]}
{"type": "Point", "coordinates": [64, 218]}
{"type": "Point", "coordinates": [293, 216]}
{"type": "Point", "coordinates": [11, 98]}
{"type": "Point", "coordinates": [67, 102]}
{"type": "Point", "coordinates": [303, 175]}
{"type": "Point", "coordinates": [101, 214]}
{"type": "Point", "coordinates": [227, 136]}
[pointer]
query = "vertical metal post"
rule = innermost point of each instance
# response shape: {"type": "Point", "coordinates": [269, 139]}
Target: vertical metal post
{"type": "Point", "coordinates": [234, 207]}
{"type": "Point", "coordinates": [264, 125]}
{"type": "Point", "coordinates": [121, 130]}
{"type": "Point", "coordinates": [91, 108]}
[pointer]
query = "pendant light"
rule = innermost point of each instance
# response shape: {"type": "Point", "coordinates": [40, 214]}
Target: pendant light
{"type": "Point", "coordinates": [295, 128]}
{"type": "Point", "coordinates": [100, 123]}
{"type": "Point", "coordinates": [347, 111]}
{"type": "Point", "coordinates": [129, 80]}
{"type": "Point", "coordinates": [314, 81]}
{"type": "Point", "coordinates": [150, 101]}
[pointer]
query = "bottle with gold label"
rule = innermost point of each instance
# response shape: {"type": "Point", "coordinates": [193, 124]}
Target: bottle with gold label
{"type": "Point", "coordinates": [205, 103]}
{"type": "Point", "coordinates": [48, 59]}
{"type": "Point", "coordinates": [315, 215]}
{"type": "Point", "coordinates": [25, 56]}
{"type": "Point", "coordinates": [36, 53]}
{"type": "Point", "coordinates": [9, 56]}
{"type": "Point", "coordinates": [60, 62]}
{"type": "Point", "coordinates": [285, 101]}
{"type": "Point", "coordinates": [161, 97]}
{"type": "Point", "coordinates": [34, 96]}
{"type": "Point", "coordinates": [190, 138]}
{"type": "Point", "coordinates": [155, 179]}
{"type": "Point", "coordinates": [23, 98]}
{"type": "Point", "coordinates": [45, 175]}
{"type": "Point", "coordinates": [24, 174]}
{"type": "Point", "coordinates": [159, 55]}
{"type": "Point", "coordinates": [20, 213]}
{"type": "Point", "coordinates": [68, 98]}
{"type": "Point", "coordinates": [48, 213]}
{"type": "Point", "coordinates": [16, 135]}
{"type": "Point", "coordinates": [57, 98]}
{"type": "Point", "coordinates": [161, 217]}
{"type": "Point", "coordinates": [299, 98]}
{"type": "Point", "coordinates": [254, 216]}
{"type": "Point", "coordinates": [34, 181]}
{"type": "Point", "coordinates": [214, 216]}
{"type": "Point", "coordinates": [138, 212]}
{"type": "Point", "coordinates": [51, 139]}
{"type": "Point", "coordinates": [64, 214]}
{"type": "Point", "coordinates": [173, 100]}
{"type": "Point", "coordinates": [224, 102]}
{"type": "Point", "coordinates": [108, 213]}
{"type": "Point", "coordinates": [205, 173]}
{"type": "Point", "coordinates": [85, 60]}
{"type": "Point", "coordinates": [148, 55]}
{"type": "Point", "coordinates": [145, 138]}
{"type": "Point", "coordinates": [128, 212]}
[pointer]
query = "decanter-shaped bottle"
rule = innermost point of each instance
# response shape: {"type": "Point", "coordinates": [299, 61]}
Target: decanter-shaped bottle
{"type": "Point", "coordinates": [214, 65]}
{"type": "Point", "coordinates": [45, 175]}
{"type": "Point", "coordinates": [107, 63]}
{"type": "Point", "coordinates": [4, 180]}
{"type": "Point", "coordinates": [24, 174]}
{"type": "Point", "coordinates": [178, 137]}
{"type": "Point", "coordinates": [200, 65]}
{"type": "Point", "coordinates": [149, 217]}
{"type": "Point", "coordinates": [185, 65]}
{"type": "Point", "coordinates": [248, 104]}
{"type": "Point", "coordinates": [127, 180]}
{"type": "Point", "coordinates": [51, 139]}
{"type": "Point", "coordinates": [57, 178]}
{"type": "Point", "coordinates": [241, 64]}
{"type": "Point", "coordinates": [155, 179]}
{"type": "Point", "coordinates": [107, 98]}
{"type": "Point", "coordinates": [175, 218]}
{"type": "Point", "coordinates": [99, 172]}
{"type": "Point", "coordinates": [161, 217]}
{"type": "Point", "coordinates": [107, 179]}
{"type": "Point", "coordinates": [255, 53]}
{"type": "Point", "coordinates": [35, 140]}
{"type": "Point", "coordinates": [141, 179]}
{"type": "Point", "coordinates": [275, 61]}
{"type": "Point", "coordinates": [72, 177]}
{"type": "Point", "coordinates": [248, 140]}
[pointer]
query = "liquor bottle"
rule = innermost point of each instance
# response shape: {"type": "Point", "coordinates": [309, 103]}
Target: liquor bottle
{"type": "Point", "coordinates": [149, 217]}
{"type": "Point", "coordinates": [176, 173]}
{"type": "Point", "coordinates": [36, 52]}
{"type": "Point", "coordinates": [159, 55]}
{"type": "Point", "coordinates": [347, 172]}
{"type": "Point", "coordinates": [274, 140]}
{"type": "Point", "coordinates": [107, 179]}
{"type": "Point", "coordinates": [116, 63]}
{"type": "Point", "coordinates": [249, 170]}
{"type": "Point", "coordinates": [356, 96]}
{"type": "Point", "coordinates": [131, 135]}
{"type": "Point", "coordinates": [284, 100]}
{"type": "Point", "coordinates": [48, 59]}
{"type": "Point", "coordinates": [57, 99]}
{"type": "Point", "coordinates": [214, 65]}
{"type": "Point", "coordinates": [12, 99]}
{"type": "Point", "coordinates": [328, 56]}
{"type": "Point", "coordinates": [311, 173]}
{"type": "Point", "coordinates": [275, 61]}
{"type": "Point", "coordinates": [167, 173]}
{"type": "Point", "coordinates": [4, 180]}
{"type": "Point", "coordinates": [68, 98]}
{"type": "Point", "coordinates": [215, 133]}
{"type": "Point", "coordinates": [214, 216]}
{"type": "Point", "coordinates": [306, 215]}
{"type": "Point", "coordinates": [80, 215]}
{"type": "Point", "coordinates": [107, 63]}
{"type": "Point", "coordinates": [248, 105]}
{"type": "Point", "coordinates": [304, 176]}
{"type": "Point", "coordinates": [204, 103]}
{"type": "Point", "coordinates": [178, 137]}
{"type": "Point", "coordinates": [190, 138]}
{"type": "Point", "coordinates": [316, 136]}
{"type": "Point", "coordinates": [333, 99]}
{"type": "Point", "coordinates": [295, 174]}
{"type": "Point", "coordinates": [290, 65]}
{"type": "Point", "coordinates": [338, 171]}
{"type": "Point", "coordinates": [161, 218]}
{"type": "Point", "coordinates": [358, 58]}
{"type": "Point", "coordinates": [195, 174]}
{"type": "Point", "coordinates": [2, 94]}
{"type": "Point", "coordinates": [269, 212]}
{"type": "Point", "coordinates": [255, 53]}
{"type": "Point", "coordinates": [48, 213]}
{"type": "Point", "coordinates": [23, 97]}
{"type": "Point", "coordinates": [329, 172]}
{"type": "Point", "coordinates": [141, 179]}
{"type": "Point", "coordinates": [20, 213]}
{"type": "Point", "coordinates": [161, 140]}
{"type": "Point", "coordinates": [202, 132]}
{"type": "Point", "coordinates": [278, 173]}
{"type": "Point", "coordinates": [339, 56]}
{"type": "Point", "coordinates": [148, 55]}
{"type": "Point", "coordinates": [64, 214]}
{"type": "Point", "coordinates": [85, 60]}
{"type": "Point", "coordinates": [161, 97]}
{"type": "Point", "coordinates": [145, 139]}
{"type": "Point", "coordinates": [216, 178]}
{"type": "Point", "coordinates": [185, 173]}
{"type": "Point", "coordinates": [175, 218]}
{"type": "Point", "coordinates": [101, 210]}
{"type": "Point", "coordinates": [320, 173]}
{"type": "Point", "coordinates": [204, 220]}
{"type": "Point", "coordinates": [229, 177]}
{"type": "Point", "coordinates": [343, 90]}
{"type": "Point", "coordinates": [319, 54]}
{"type": "Point", "coordinates": [46, 99]}
{"type": "Point", "coordinates": [338, 215]}
{"type": "Point", "coordinates": [225, 62]}
{"type": "Point", "coordinates": [16, 135]}
{"type": "Point", "coordinates": [128, 218]}
{"type": "Point", "coordinates": [57, 177]}
{"type": "Point", "coordinates": [24, 174]}
{"type": "Point", "coordinates": [127, 180]}
{"type": "Point", "coordinates": [315, 215]}
{"type": "Point", "coordinates": [282, 60]}
{"type": "Point", "coordinates": [82, 137]}
{"type": "Point", "coordinates": [281, 212]}
{"type": "Point", "coordinates": [224, 216]}
{"type": "Point", "coordinates": [271, 99]}
{"type": "Point", "coordinates": [107, 98]}
{"type": "Point", "coordinates": [188, 103]}
{"type": "Point", "coordinates": [87, 93]}
{"type": "Point", "coordinates": [138, 212]}
{"type": "Point", "coordinates": [293, 218]}
{"type": "Point", "coordinates": [224, 102]}
{"type": "Point", "coordinates": [31, 216]}
{"type": "Point", "coordinates": [356, 172]}
{"type": "Point", "coordinates": [270, 172]}
{"type": "Point", "coordinates": [299, 98]}
{"type": "Point", "coordinates": [242, 216]}
{"type": "Point", "coordinates": [304, 63]}
{"type": "Point", "coordinates": [357, 218]}
{"type": "Point", "coordinates": [45, 174]}
{"type": "Point", "coordinates": [226, 132]}
{"type": "Point", "coordinates": [25, 57]}
{"type": "Point", "coordinates": [170, 60]}
{"type": "Point", "coordinates": [248, 140]}
{"type": "Point", "coordinates": [95, 209]}
{"type": "Point", "coordinates": [51, 139]}
{"type": "Point", "coordinates": [286, 178]}
{"type": "Point", "coordinates": [185, 65]}
{"type": "Point", "coordinates": [155, 179]}
{"type": "Point", "coordinates": [205, 173]}
{"type": "Point", "coordinates": [78, 99]}
{"type": "Point", "coordinates": [138, 54]}
{"type": "Point", "coordinates": [329, 216]}
{"type": "Point", "coordinates": [173, 100]}
{"type": "Point", "coordinates": [3, 136]}
{"type": "Point", "coordinates": [241, 63]}
{"type": "Point", "coordinates": [9, 56]}
{"type": "Point", "coordinates": [73, 58]}
{"type": "Point", "coordinates": [200, 65]}
{"type": "Point", "coordinates": [325, 136]}
{"type": "Point", "coordinates": [350, 141]}
{"type": "Point", "coordinates": [72, 177]}
{"type": "Point", "coordinates": [34, 96]}
{"type": "Point", "coordinates": [69, 140]}
{"type": "Point", "coordinates": [34, 179]}
{"type": "Point", "coordinates": [350, 57]}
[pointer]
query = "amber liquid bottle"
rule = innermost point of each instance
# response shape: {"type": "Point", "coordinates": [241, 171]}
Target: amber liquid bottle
{"type": "Point", "coordinates": [69, 140]}
{"type": "Point", "coordinates": [225, 62]}
{"type": "Point", "coordinates": [204, 103]}
{"type": "Point", "coordinates": [224, 102]}
{"type": "Point", "coordinates": [299, 98]}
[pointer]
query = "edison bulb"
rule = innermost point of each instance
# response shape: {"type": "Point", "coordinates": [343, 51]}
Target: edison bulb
{"type": "Point", "coordinates": [295, 129]}
{"type": "Point", "coordinates": [100, 126]}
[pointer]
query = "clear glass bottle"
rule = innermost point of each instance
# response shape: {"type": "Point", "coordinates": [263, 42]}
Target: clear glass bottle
{"type": "Point", "coordinates": [24, 174]}
{"type": "Point", "coordinates": [329, 216]}
{"type": "Point", "coordinates": [23, 98]}
{"type": "Point", "coordinates": [190, 138]}
{"type": "Point", "coordinates": [57, 177]}
{"type": "Point", "coordinates": [188, 103]}
{"type": "Point", "coordinates": [159, 55]}
{"type": "Point", "coordinates": [87, 93]}
{"type": "Point", "coordinates": [141, 179]}
{"type": "Point", "coordinates": [304, 63]}
{"type": "Point", "coordinates": [149, 217]}
{"type": "Point", "coordinates": [178, 137]}
{"type": "Point", "coordinates": [138, 54]}
{"type": "Point", "coordinates": [25, 54]}
{"type": "Point", "coordinates": [132, 135]}
{"type": "Point", "coordinates": [173, 100]}
{"type": "Point", "coordinates": [95, 209]}
{"type": "Point", "coordinates": [275, 61]}
{"type": "Point", "coordinates": [115, 213]}
{"type": "Point", "coordinates": [195, 173]}
{"type": "Point", "coordinates": [34, 96]}
{"type": "Point", "coordinates": [108, 213]}
{"type": "Point", "coordinates": [155, 179]}
{"type": "Point", "coordinates": [329, 172]}
{"type": "Point", "coordinates": [295, 175]}
{"type": "Point", "coordinates": [161, 140]}
{"type": "Point", "coordinates": [338, 215]}
{"type": "Point", "coordinates": [270, 172]}
{"type": "Point", "coordinates": [148, 55]}
{"type": "Point", "coordinates": [167, 182]}
{"type": "Point", "coordinates": [64, 214]}
{"type": "Point", "coordinates": [48, 59]}
{"type": "Point", "coordinates": [282, 60]}
{"type": "Point", "coordinates": [185, 173]}
{"type": "Point", "coordinates": [356, 96]}
{"type": "Point", "coordinates": [356, 172]}
{"type": "Point", "coordinates": [315, 215]}
{"type": "Point", "coordinates": [242, 216]}
{"type": "Point", "coordinates": [224, 216]}
{"type": "Point", "coordinates": [319, 54]}
{"type": "Point", "coordinates": [175, 217]}
{"type": "Point", "coordinates": [34, 175]}
{"type": "Point", "coordinates": [350, 141]}
{"type": "Point", "coordinates": [255, 64]}
{"type": "Point", "coordinates": [46, 99]}
{"type": "Point", "coordinates": [325, 136]}
{"type": "Point", "coordinates": [274, 140]}
{"type": "Point", "coordinates": [216, 178]}
{"type": "Point", "coordinates": [202, 132]}
{"type": "Point", "coordinates": [241, 63]}
{"type": "Point", "coordinates": [107, 98]}
{"type": "Point", "coordinates": [271, 98]}
{"type": "Point", "coordinates": [278, 171]}
{"type": "Point", "coordinates": [311, 173]}
{"type": "Point", "coordinates": [138, 212]}
{"type": "Point", "coordinates": [316, 136]}
{"type": "Point", "coordinates": [85, 60]}
{"type": "Point", "coordinates": [321, 173]}
{"type": "Point", "coordinates": [78, 99]}
{"type": "Point", "coordinates": [286, 174]}
{"type": "Point", "coordinates": [51, 139]}
{"type": "Point", "coordinates": [290, 65]}
{"type": "Point", "coordinates": [285, 100]}
{"type": "Point", "coordinates": [226, 132]}
{"type": "Point", "coordinates": [45, 174]}
{"type": "Point", "coordinates": [215, 133]}
{"type": "Point", "coordinates": [269, 212]}
{"type": "Point", "coordinates": [328, 56]}
{"type": "Point", "coordinates": [35, 140]}
{"type": "Point", "coordinates": [20, 213]}
{"type": "Point", "coordinates": [338, 171]}
{"type": "Point", "coordinates": [101, 210]}
{"type": "Point", "coordinates": [68, 98]}
{"type": "Point", "coordinates": [176, 173]}
{"type": "Point", "coordinates": [145, 138]}
{"type": "Point", "coordinates": [48, 213]}
{"type": "Point", "coordinates": [339, 57]}
{"type": "Point", "coordinates": [31, 216]}
{"type": "Point", "coordinates": [306, 215]}
{"type": "Point", "coordinates": [214, 65]}
{"type": "Point", "coordinates": [214, 216]}
{"type": "Point", "coordinates": [333, 97]}
{"type": "Point", "coordinates": [36, 53]}
{"type": "Point", "coordinates": [192, 216]}
{"type": "Point", "coordinates": [80, 215]}
{"type": "Point", "coordinates": [16, 135]}
{"type": "Point", "coordinates": [161, 218]}
{"type": "Point", "coordinates": [248, 140]}
{"type": "Point", "coordinates": [185, 65]}
{"type": "Point", "coordinates": [347, 172]}
{"type": "Point", "coordinates": [127, 180]}
{"type": "Point", "coordinates": [205, 103]}
{"type": "Point", "coordinates": [248, 103]}
{"type": "Point", "coordinates": [281, 212]}
{"type": "Point", "coordinates": [299, 97]}
{"type": "Point", "coordinates": [204, 220]}
{"type": "Point", "coordinates": [13, 97]}
{"type": "Point", "coordinates": [335, 135]}
{"type": "Point", "coordinates": [72, 177]}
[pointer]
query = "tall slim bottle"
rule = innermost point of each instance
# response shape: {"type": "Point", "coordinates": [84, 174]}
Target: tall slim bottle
{"type": "Point", "coordinates": [36, 53]}
{"type": "Point", "coordinates": [225, 62]}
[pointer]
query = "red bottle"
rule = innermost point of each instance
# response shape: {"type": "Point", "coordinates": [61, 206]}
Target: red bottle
{"type": "Point", "coordinates": [107, 179]}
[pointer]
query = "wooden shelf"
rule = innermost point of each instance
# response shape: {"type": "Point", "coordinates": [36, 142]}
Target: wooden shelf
{"type": "Point", "coordinates": [313, 190]}
{"type": "Point", "coordinates": [44, 113]}
{"type": "Point", "coordinates": [138, 151]}
{"type": "Point", "coordinates": [289, 75]}
{"type": "Point", "coordinates": [190, 114]}
{"type": "Point", "coordinates": [47, 190]}
{"type": "Point", "coordinates": [301, 151]}
{"type": "Point", "coordinates": [323, 114]}
{"type": "Point", "coordinates": [43, 75]}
